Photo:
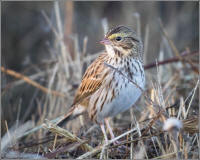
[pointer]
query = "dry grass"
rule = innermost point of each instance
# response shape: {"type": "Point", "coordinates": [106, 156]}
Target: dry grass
{"type": "Point", "coordinates": [171, 91]}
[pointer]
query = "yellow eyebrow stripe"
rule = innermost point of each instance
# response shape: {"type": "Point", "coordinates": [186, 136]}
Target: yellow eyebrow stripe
{"type": "Point", "coordinates": [116, 35]}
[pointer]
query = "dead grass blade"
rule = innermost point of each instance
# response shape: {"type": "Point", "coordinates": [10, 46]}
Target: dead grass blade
{"type": "Point", "coordinates": [39, 127]}
{"type": "Point", "coordinates": [18, 155]}
{"type": "Point", "coordinates": [67, 148]}
{"type": "Point", "coordinates": [11, 136]}
{"type": "Point", "coordinates": [99, 148]}
{"type": "Point", "coordinates": [191, 99]}
{"type": "Point", "coordinates": [63, 132]}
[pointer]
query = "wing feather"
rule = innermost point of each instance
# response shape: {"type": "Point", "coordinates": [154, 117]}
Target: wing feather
{"type": "Point", "coordinates": [92, 80]}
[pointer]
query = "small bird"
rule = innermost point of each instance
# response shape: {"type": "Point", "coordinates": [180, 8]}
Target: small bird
{"type": "Point", "coordinates": [103, 91]}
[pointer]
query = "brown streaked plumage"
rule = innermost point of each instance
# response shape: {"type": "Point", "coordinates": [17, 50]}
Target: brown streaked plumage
{"type": "Point", "coordinates": [91, 80]}
{"type": "Point", "coordinates": [103, 92]}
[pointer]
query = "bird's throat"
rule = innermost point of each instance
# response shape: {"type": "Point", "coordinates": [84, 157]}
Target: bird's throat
{"type": "Point", "coordinates": [118, 51]}
{"type": "Point", "coordinates": [110, 50]}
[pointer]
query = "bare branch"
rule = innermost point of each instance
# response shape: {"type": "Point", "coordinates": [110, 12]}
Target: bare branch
{"type": "Point", "coordinates": [31, 82]}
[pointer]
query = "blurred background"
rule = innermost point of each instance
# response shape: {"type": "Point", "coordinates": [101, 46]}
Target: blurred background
{"type": "Point", "coordinates": [26, 35]}
{"type": "Point", "coordinates": [53, 44]}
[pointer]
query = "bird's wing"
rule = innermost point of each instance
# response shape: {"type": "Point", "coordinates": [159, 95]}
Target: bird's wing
{"type": "Point", "coordinates": [92, 79]}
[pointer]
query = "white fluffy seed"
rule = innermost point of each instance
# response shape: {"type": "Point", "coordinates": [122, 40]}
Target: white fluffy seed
{"type": "Point", "coordinates": [171, 123]}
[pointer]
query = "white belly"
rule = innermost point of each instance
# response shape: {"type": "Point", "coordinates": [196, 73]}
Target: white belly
{"type": "Point", "coordinates": [127, 97]}
{"type": "Point", "coordinates": [103, 105]}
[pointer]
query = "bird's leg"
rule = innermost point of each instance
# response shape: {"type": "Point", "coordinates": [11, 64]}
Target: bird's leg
{"type": "Point", "coordinates": [121, 148]}
{"type": "Point", "coordinates": [109, 128]}
{"type": "Point", "coordinates": [104, 133]}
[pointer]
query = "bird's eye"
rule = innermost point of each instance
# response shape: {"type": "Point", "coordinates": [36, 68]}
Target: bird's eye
{"type": "Point", "coordinates": [118, 38]}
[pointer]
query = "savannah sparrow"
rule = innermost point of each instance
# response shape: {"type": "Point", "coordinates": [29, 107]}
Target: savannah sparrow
{"type": "Point", "coordinates": [104, 92]}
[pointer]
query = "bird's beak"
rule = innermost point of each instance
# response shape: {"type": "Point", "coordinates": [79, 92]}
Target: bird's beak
{"type": "Point", "coordinates": [105, 41]}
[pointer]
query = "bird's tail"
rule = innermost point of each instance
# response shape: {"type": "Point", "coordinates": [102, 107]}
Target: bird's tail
{"type": "Point", "coordinates": [74, 112]}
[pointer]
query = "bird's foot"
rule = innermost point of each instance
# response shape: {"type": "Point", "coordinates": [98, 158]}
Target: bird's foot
{"type": "Point", "coordinates": [120, 147]}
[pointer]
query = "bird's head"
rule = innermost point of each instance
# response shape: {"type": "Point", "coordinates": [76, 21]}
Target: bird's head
{"type": "Point", "coordinates": [122, 40]}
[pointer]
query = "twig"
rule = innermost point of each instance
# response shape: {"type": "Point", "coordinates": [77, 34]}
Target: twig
{"type": "Point", "coordinates": [136, 140]}
{"type": "Point", "coordinates": [50, 24]}
{"type": "Point", "coordinates": [170, 60]}
{"type": "Point", "coordinates": [174, 49]}
{"type": "Point", "coordinates": [37, 75]}
{"type": "Point", "coordinates": [171, 43]}
{"type": "Point", "coordinates": [71, 147]}
{"type": "Point", "coordinates": [168, 156]}
{"type": "Point", "coordinates": [32, 143]}
{"type": "Point", "coordinates": [68, 27]}
{"type": "Point", "coordinates": [153, 121]}
{"type": "Point", "coordinates": [54, 142]}
{"type": "Point", "coordinates": [39, 127]}
{"type": "Point", "coordinates": [31, 82]}
{"type": "Point", "coordinates": [146, 43]}
{"type": "Point", "coordinates": [108, 65]}
{"type": "Point", "coordinates": [99, 148]}
{"type": "Point", "coordinates": [21, 81]}
{"type": "Point", "coordinates": [63, 48]}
